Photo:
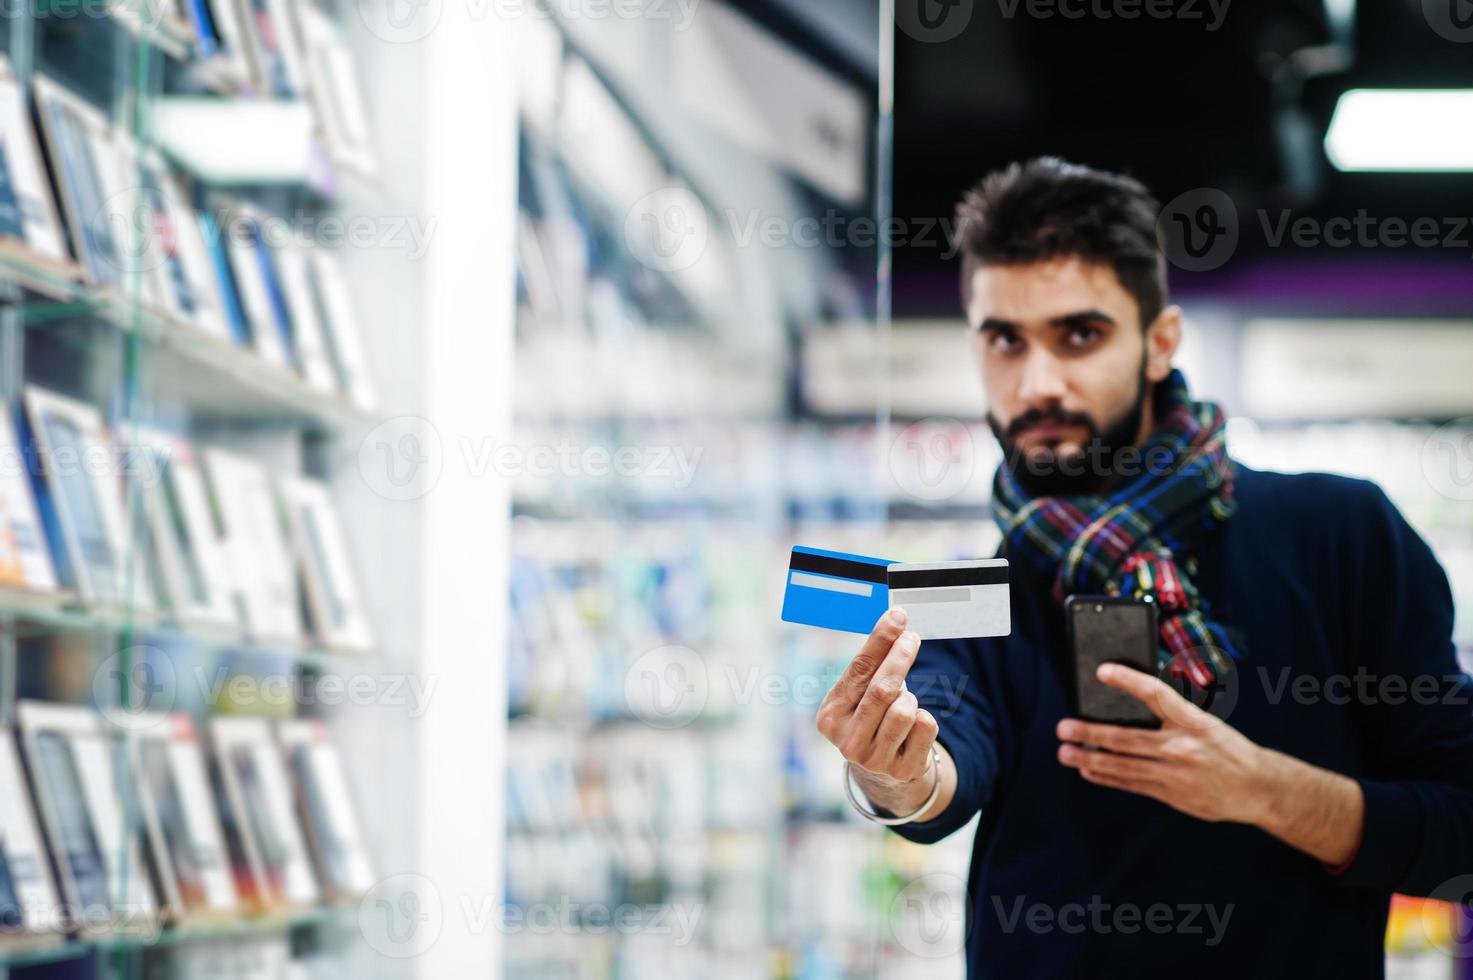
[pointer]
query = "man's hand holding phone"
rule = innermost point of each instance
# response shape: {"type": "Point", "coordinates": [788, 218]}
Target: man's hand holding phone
{"type": "Point", "coordinates": [881, 729]}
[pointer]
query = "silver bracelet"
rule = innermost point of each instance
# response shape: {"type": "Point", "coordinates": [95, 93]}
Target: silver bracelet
{"type": "Point", "coordinates": [908, 818]}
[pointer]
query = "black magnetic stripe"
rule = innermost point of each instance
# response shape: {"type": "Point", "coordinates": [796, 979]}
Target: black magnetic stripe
{"type": "Point", "coordinates": [928, 578]}
{"type": "Point", "coordinates": [862, 571]}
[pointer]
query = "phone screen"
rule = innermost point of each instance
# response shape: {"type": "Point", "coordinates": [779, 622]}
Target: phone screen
{"type": "Point", "coordinates": [1108, 630]}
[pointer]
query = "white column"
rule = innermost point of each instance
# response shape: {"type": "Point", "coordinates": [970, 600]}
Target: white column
{"type": "Point", "coordinates": [471, 129]}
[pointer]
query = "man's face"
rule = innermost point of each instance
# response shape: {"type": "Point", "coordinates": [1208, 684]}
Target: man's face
{"type": "Point", "coordinates": [1067, 368]}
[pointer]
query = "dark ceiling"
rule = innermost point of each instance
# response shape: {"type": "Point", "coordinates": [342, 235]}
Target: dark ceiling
{"type": "Point", "coordinates": [1171, 101]}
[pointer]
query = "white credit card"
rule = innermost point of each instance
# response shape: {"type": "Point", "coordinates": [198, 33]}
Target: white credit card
{"type": "Point", "coordinates": [946, 600]}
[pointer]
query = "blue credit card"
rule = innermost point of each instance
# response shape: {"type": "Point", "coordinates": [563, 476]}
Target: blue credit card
{"type": "Point", "coordinates": [835, 591]}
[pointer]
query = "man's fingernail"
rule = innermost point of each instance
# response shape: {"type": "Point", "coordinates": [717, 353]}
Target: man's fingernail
{"type": "Point", "coordinates": [1066, 730]}
{"type": "Point", "coordinates": [1105, 671]}
{"type": "Point", "coordinates": [897, 616]}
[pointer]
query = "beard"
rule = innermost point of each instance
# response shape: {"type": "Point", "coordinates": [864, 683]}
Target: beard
{"type": "Point", "coordinates": [1048, 473]}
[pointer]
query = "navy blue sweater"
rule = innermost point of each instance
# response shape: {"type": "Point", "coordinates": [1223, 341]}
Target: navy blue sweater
{"type": "Point", "coordinates": [1348, 664]}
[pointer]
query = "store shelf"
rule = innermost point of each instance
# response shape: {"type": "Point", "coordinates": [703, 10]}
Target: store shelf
{"type": "Point", "coordinates": [143, 20]}
{"type": "Point", "coordinates": [222, 379]}
{"type": "Point", "coordinates": [241, 929]}
{"type": "Point", "coordinates": [215, 378]}
{"type": "Point", "coordinates": [42, 277]}
{"type": "Point", "coordinates": [36, 614]}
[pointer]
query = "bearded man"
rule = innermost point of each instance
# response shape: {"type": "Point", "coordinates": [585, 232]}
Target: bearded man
{"type": "Point", "coordinates": [1315, 748]}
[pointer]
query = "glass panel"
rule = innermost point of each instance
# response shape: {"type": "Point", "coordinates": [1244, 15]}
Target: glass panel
{"type": "Point", "coordinates": [701, 339]}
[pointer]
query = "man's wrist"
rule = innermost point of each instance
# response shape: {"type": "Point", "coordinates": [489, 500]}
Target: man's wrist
{"type": "Point", "coordinates": [1319, 812]}
{"type": "Point", "coordinates": [1265, 789]}
{"type": "Point", "coordinates": [897, 795]}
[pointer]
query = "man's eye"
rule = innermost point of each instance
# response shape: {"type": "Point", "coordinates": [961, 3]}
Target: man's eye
{"type": "Point", "coordinates": [1083, 336]}
{"type": "Point", "coordinates": [1006, 342]}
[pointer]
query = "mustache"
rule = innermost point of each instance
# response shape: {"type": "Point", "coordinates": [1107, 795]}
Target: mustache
{"type": "Point", "coordinates": [1055, 416]}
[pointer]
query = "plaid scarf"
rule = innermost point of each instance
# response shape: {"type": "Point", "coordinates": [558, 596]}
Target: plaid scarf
{"type": "Point", "coordinates": [1130, 541]}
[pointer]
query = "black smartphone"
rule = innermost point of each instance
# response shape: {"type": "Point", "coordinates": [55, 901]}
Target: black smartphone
{"type": "Point", "coordinates": [1110, 630]}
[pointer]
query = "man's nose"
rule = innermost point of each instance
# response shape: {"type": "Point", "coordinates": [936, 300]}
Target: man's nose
{"type": "Point", "coordinates": [1043, 379]}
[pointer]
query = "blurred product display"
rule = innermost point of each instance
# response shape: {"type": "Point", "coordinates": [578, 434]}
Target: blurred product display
{"type": "Point", "coordinates": [175, 364]}
{"type": "Point", "coordinates": [217, 597]}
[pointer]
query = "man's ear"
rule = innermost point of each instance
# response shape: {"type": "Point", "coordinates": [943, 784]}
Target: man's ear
{"type": "Point", "coordinates": [1163, 337]}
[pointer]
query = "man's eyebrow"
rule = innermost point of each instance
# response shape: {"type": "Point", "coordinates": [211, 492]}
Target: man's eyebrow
{"type": "Point", "coordinates": [1066, 321]}
{"type": "Point", "coordinates": [993, 323]}
{"type": "Point", "coordinates": [1083, 318]}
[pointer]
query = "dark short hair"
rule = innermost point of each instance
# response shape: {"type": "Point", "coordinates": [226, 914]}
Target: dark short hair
{"type": "Point", "coordinates": [1047, 208]}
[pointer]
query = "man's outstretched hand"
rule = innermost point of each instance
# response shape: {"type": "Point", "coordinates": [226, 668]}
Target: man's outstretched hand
{"type": "Point", "coordinates": [880, 727]}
